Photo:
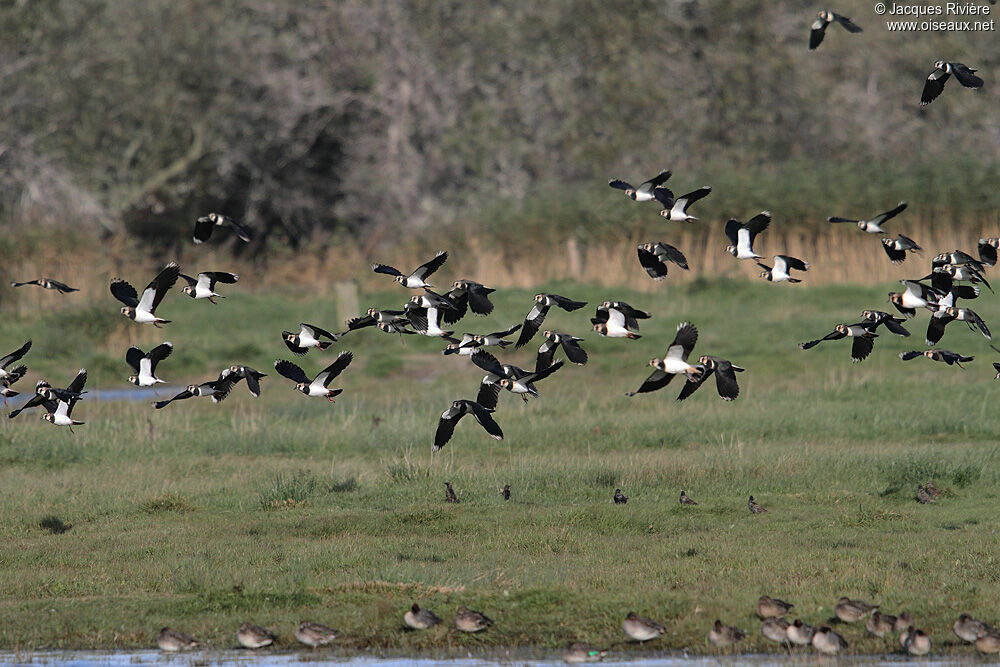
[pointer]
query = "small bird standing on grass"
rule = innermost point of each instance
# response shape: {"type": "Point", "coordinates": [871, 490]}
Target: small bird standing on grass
{"type": "Point", "coordinates": [851, 611]}
{"type": "Point", "coordinates": [880, 624]}
{"type": "Point", "coordinates": [506, 492]}
{"type": "Point", "coordinates": [799, 633]}
{"type": "Point", "coordinates": [755, 507]}
{"type": "Point", "coordinates": [769, 607]}
{"type": "Point", "coordinates": [686, 500]}
{"type": "Point", "coordinates": [449, 493]}
{"type": "Point", "coordinates": [620, 498]}
{"type": "Point", "coordinates": [828, 642]}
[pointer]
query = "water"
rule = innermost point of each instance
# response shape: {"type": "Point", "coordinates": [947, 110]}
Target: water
{"type": "Point", "coordinates": [312, 658]}
{"type": "Point", "coordinates": [132, 394]}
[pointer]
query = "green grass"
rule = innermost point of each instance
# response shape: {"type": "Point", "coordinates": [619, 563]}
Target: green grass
{"type": "Point", "coordinates": [283, 508]}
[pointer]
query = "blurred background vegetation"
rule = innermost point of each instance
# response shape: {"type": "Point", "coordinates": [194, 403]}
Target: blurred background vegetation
{"type": "Point", "coordinates": [316, 122]}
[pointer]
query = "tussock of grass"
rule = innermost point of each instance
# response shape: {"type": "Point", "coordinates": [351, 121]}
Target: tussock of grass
{"type": "Point", "coordinates": [166, 503]}
{"type": "Point", "coordinates": [288, 491]}
{"type": "Point", "coordinates": [54, 525]}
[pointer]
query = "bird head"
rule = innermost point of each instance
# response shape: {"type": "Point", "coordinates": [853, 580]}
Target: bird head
{"type": "Point", "coordinates": [896, 298]}
{"type": "Point", "coordinates": [129, 312]}
{"type": "Point", "coordinates": [665, 213]}
{"type": "Point", "coordinates": [731, 249]}
{"type": "Point", "coordinates": [506, 383]}
{"type": "Point", "coordinates": [630, 192]}
{"type": "Point", "coordinates": [134, 379]}
{"type": "Point", "coordinates": [400, 279]}
{"type": "Point", "coordinates": [48, 417]}
{"type": "Point", "coordinates": [765, 274]}
{"type": "Point", "coordinates": [841, 328]}
{"type": "Point", "coordinates": [234, 369]}
{"type": "Point", "coordinates": [941, 65]}
{"type": "Point", "coordinates": [188, 290]}
{"type": "Point", "coordinates": [648, 247]}
{"type": "Point", "coordinates": [303, 387]}
{"type": "Point", "coordinates": [289, 336]}
{"type": "Point", "coordinates": [601, 328]}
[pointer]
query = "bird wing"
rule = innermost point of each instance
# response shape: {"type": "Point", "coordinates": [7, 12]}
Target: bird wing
{"type": "Point", "coordinates": [532, 323]}
{"type": "Point", "coordinates": [816, 33]}
{"type": "Point", "coordinates": [546, 354]}
{"type": "Point", "coordinates": [485, 419]}
{"type": "Point", "coordinates": [159, 405]}
{"type": "Point", "coordinates": [7, 359]}
{"type": "Point", "coordinates": [657, 180]}
{"type": "Point", "coordinates": [733, 228]}
{"type": "Point", "coordinates": [240, 229]}
{"type": "Point", "coordinates": [158, 354]}
{"type": "Point", "coordinates": [62, 287]}
{"type": "Point", "coordinates": [531, 378]}
{"type": "Point", "coordinates": [933, 86]}
{"type": "Point", "coordinates": [725, 380]}
{"type": "Point", "coordinates": [426, 269]}
{"type": "Point", "coordinates": [487, 362]}
{"type": "Point", "coordinates": [619, 184]}
{"type": "Point", "coordinates": [188, 279]}
{"type": "Point", "coordinates": [791, 262]}
{"type": "Point", "coordinates": [895, 256]}
{"type": "Point", "coordinates": [158, 286]}
{"type": "Point", "coordinates": [202, 232]}
{"type": "Point", "coordinates": [569, 305]}
{"type": "Point", "coordinates": [665, 251]}
{"type": "Point", "coordinates": [758, 223]}
{"type": "Point", "coordinates": [133, 357]}
{"type": "Point", "coordinates": [291, 371]}
{"type": "Point", "coordinates": [665, 196]}
{"type": "Point", "coordinates": [965, 76]}
{"type": "Point", "coordinates": [935, 327]}
{"type": "Point", "coordinates": [574, 352]}
{"type": "Point", "coordinates": [316, 332]}
{"type": "Point", "coordinates": [386, 269]}
{"type": "Point", "coordinates": [656, 380]}
{"type": "Point", "coordinates": [649, 261]}
{"type": "Point", "coordinates": [861, 348]}
{"type": "Point", "coordinates": [692, 385]}
{"type": "Point", "coordinates": [684, 342]}
{"type": "Point", "coordinates": [888, 215]}
{"type": "Point", "coordinates": [479, 301]}
{"type": "Point", "coordinates": [489, 394]}
{"type": "Point", "coordinates": [78, 383]}
{"type": "Point", "coordinates": [686, 200]}
{"type": "Point", "coordinates": [327, 375]}
{"type": "Point", "coordinates": [845, 21]}
{"type": "Point", "coordinates": [124, 292]}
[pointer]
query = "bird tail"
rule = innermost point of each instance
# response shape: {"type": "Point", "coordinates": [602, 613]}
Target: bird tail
{"type": "Point", "coordinates": [323, 344]}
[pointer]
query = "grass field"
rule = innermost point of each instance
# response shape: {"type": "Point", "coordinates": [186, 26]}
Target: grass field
{"type": "Point", "coordinates": [285, 508]}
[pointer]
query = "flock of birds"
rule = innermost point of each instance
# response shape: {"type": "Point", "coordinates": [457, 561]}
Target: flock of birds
{"type": "Point", "coordinates": [953, 275]}
{"type": "Point", "coordinates": [772, 611]}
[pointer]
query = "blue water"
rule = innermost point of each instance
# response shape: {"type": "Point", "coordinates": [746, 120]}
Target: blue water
{"type": "Point", "coordinates": [132, 394]}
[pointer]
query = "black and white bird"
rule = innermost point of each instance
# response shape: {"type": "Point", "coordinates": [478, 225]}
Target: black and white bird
{"type": "Point", "coordinates": [418, 278]}
{"type": "Point", "coordinates": [945, 356]}
{"type": "Point", "coordinates": [471, 342]}
{"type": "Point", "coordinates": [645, 190]}
{"type": "Point", "coordinates": [62, 414]}
{"type": "Point", "coordinates": [863, 334]}
{"type": "Point", "coordinates": [553, 341]}
{"type": "Point", "coordinates": [725, 378]}
{"type": "Point", "coordinates": [218, 389]}
{"type": "Point", "coordinates": [742, 235]}
{"type": "Point", "coordinates": [676, 210]}
{"type": "Point", "coordinates": [823, 19]}
{"type": "Point", "coordinates": [320, 385]}
{"type": "Point", "coordinates": [896, 248]}
{"type": "Point", "coordinates": [957, 257]}
{"type": "Point", "coordinates": [46, 395]}
{"type": "Point", "coordinates": [517, 383]}
{"type": "Point", "coordinates": [916, 295]}
{"type": "Point", "coordinates": [309, 335]}
{"type": "Point", "coordinates": [468, 294]}
{"type": "Point", "coordinates": [48, 283]}
{"type": "Point", "coordinates": [873, 226]}
{"type": "Point", "coordinates": [449, 312]}
{"type": "Point", "coordinates": [8, 380]}
{"type": "Point", "coordinates": [937, 78]}
{"type": "Point", "coordinates": [616, 319]}
{"type": "Point", "coordinates": [940, 319]}
{"type": "Point", "coordinates": [880, 318]}
{"type": "Point", "coordinates": [674, 362]}
{"type": "Point", "coordinates": [203, 287]}
{"type": "Point", "coordinates": [966, 272]}
{"type": "Point", "coordinates": [251, 375]}
{"type": "Point", "coordinates": [389, 321]}
{"type": "Point", "coordinates": [533, 320]}
{"type": "Point", "coordinates": [457, 410]}
{"type": "Point", "coordinates": [654, 257]}
{"type": "Point", "coordinates": [11, 357]}
{"type": "Point", "coordinates": [144, 364]}
{"type": "Point", "coordinates": [427, 322]}
{"type": "Point", "coordinates": [204, 225]}
{"type": "Point", "coordinates": [781, 271]}
{"type": "Point", "coordinates": [755, 507]}
{"type": "Point", "coordinates": [142, 310]}
{"type": "Point", "coordinates": [619, 497]}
